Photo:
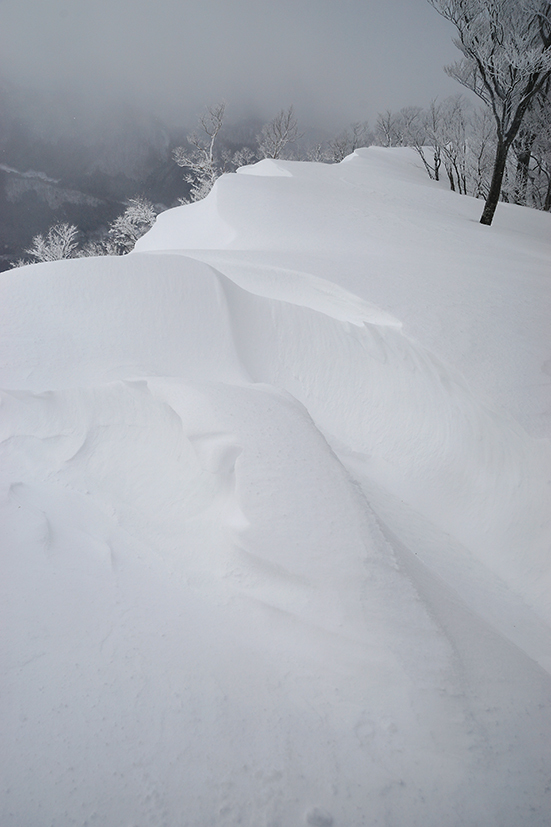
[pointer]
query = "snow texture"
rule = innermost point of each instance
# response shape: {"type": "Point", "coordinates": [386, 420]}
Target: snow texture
{"type": "Point", "coordinates": [275, 497]}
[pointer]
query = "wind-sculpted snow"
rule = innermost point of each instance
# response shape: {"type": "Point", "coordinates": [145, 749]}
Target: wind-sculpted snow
{"type": "Point", "coordinates": [79, 323]}
{"type": "Point", "coordinates": [413, 426]}
{"type": "Point", "coordinates": [268, 559]}
{"type": "Point", "coordinates": [378, 227]}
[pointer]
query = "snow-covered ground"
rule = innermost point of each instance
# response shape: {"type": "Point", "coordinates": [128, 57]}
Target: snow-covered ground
{"type": "Point", "coordinates": [276, 513]}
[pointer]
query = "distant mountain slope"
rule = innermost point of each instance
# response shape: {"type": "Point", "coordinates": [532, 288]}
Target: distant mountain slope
{"type": "Point", "coordinates": [61, 163]}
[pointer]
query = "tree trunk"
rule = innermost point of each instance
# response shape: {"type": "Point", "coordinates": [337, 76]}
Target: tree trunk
{"type": "Point", "coordinates": [437, 162]}
{"type": "Point", "coordinates": [523, 166]}
{"type": "Point", "coordinates": [497, 180]}
{"type": "Point", "coordinates": [450, 177]}
{"type": "Point", "coordinates": [521, 182]}
{"type": "Point", "coordinates": [547, 202]}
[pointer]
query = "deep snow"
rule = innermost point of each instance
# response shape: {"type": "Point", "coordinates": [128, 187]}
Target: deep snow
{"type": "Point", "coordinates": [276, 513]}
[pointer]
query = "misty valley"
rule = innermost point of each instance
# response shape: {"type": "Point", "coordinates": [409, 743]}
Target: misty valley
{"type": "Point", "coordinates": [71, 170]}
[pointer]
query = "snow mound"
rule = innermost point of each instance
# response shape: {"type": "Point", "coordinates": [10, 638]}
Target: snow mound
{"type": "Point", "coordinates": [274, 553]}
{"type": "Point", "coordinates": [90, 321]}
{"type": "Point", "coordinates": [376, 225]}
{"type": "Point", "coordinates": [266, 168]}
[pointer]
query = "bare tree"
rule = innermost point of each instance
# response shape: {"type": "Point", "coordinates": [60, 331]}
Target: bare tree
{"type": "Point", "coordinates": [387, 129]}
{"type": "Point", "coordinates": [506, 46]}
{"type": "Point", "coordinates": [278, 134]}
{"type": "Point", "coordinates": [455, 147]}
{"type": "Point", "coordinates": [318, 153]}
{"type": "Point", "coordinates": [451, 135]}
{"type": "Point", "coordinates": [201, 161]}
{"type": "Point", "coordinates": [232, 161]}
{"type": "Point", "coordinates": [448, 131]}
{"type": "Point", "coordinates": [347, 141]}
{"type": "Point", "coordinates": [415, 127]}
{"type": "Point", "coordinates": [420, 129]}
{"type": "Point", "coordinates": [410, 123]}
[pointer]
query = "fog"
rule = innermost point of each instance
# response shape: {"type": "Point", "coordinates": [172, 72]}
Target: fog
{"type": "Point", "coordinates": [336, 62]}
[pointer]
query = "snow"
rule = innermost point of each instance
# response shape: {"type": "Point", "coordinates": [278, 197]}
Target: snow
{"type": "Point", "coordinates": [275, 498]}
{"type": "Point", "coordinates": [30, 173]}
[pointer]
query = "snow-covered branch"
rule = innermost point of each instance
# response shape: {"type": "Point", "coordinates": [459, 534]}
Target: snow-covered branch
{"type": "Point", "coordinates": [506, 46]}
{"type": "Point", "coordinates": [278, 134]}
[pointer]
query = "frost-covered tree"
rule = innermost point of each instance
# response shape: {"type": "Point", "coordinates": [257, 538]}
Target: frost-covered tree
{"type": "Point", "coordinates": [481, 144]}
{"type": "Point", "coordinates": [61, 241]}
{"type": "Point", "coordinates": [278, 134]}
{"type": "Point", "coordinates": [531, 150]}
{"type": "Point", "coordinates": [540, 163]}
{"type": "Point", "coordinates": [138, 217]}
{"type": "Point", "coordinates": [506, 46]}
{"type": "Point", "coordinates": [122, 233]}
{"type": "Point", "coordinates": [201, 159]}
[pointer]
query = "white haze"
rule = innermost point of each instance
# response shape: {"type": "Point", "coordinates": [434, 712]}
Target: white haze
{"type": "Point", "coordinates": [336, 62]}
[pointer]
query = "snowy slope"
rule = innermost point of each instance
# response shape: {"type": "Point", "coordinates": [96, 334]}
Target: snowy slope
{"type": "Point", "coordinates": [276, 500]}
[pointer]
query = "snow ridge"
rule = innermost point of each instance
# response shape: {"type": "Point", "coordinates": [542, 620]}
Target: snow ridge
{"type": "Point", "coordinates": [270, 558]}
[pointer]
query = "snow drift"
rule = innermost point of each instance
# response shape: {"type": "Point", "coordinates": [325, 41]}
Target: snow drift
{"type": "Point", "coordinates": [276, 502]}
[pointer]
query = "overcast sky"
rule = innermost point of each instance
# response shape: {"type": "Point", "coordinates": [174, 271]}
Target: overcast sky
{"type": "Point", "coordinates": [337, 61]}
